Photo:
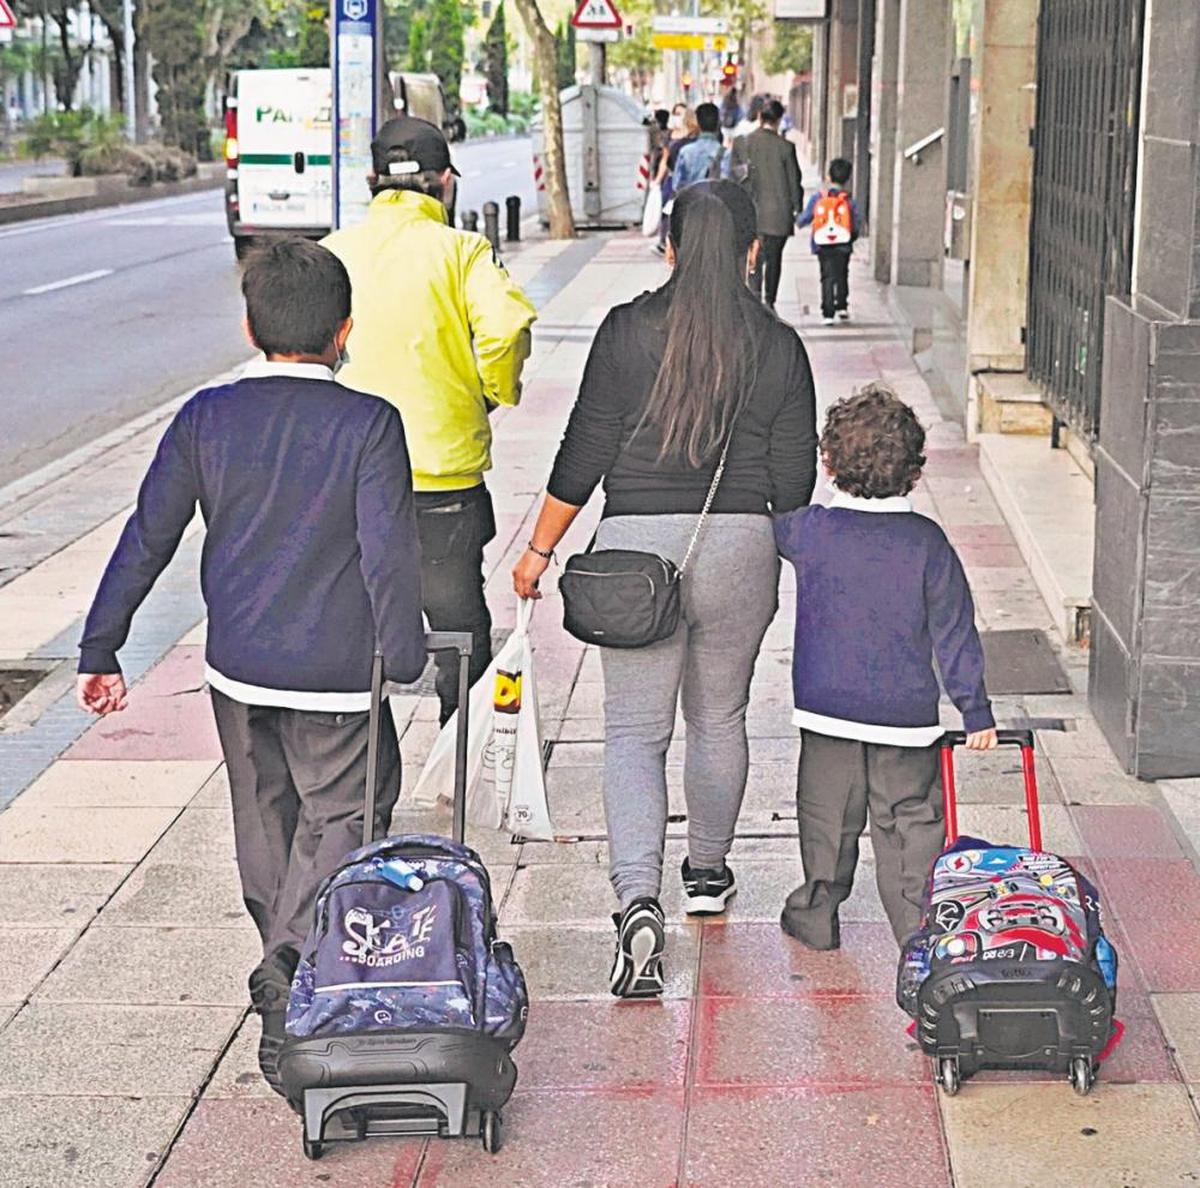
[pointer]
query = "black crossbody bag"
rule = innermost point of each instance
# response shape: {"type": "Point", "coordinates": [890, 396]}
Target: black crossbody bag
{"type": "Point", "coordinates": [624, 598]}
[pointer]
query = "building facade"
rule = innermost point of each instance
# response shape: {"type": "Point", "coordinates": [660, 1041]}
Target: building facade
{"type": "Point", "coordinates": [1031, 175]}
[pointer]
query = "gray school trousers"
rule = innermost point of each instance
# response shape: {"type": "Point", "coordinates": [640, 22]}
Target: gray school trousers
{"type": "Point", "coordinates": [840, 781]}
{"type": "Point", "coordinates": [730, 594]}
{"type": "Point", "coordinates": [297, 779]}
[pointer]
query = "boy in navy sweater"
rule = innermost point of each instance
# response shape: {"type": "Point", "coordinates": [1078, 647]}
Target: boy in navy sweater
{"type": "Point", "coordinates": [310, 560]}
{"type": "Point", "coordinates": [880, 593]}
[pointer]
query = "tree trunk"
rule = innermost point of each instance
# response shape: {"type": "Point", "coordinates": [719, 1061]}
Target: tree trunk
{"type": "Point", "coordinates": [545, 55]}
{"type": "Point", "coordinates": [141, 86]}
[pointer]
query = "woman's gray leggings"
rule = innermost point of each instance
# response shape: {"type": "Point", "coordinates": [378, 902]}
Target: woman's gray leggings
{"type": "Point", "coordinates": [730, 594]}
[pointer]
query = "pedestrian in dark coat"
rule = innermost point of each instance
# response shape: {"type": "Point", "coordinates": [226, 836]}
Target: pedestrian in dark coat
{"type": "Point", "coordinates": [765, 163]}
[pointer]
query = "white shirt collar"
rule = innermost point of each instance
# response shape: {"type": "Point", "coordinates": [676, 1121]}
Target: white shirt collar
{"type": "Point", "coordinates": [266, 368]}
{"type": "Point", "coordinates": [892, 503]}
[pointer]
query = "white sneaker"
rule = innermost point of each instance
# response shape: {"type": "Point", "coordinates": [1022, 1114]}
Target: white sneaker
{"type": "Point", "coordinates": [843, 315]}
{"type": "Point", "coordinates": [827, 321]}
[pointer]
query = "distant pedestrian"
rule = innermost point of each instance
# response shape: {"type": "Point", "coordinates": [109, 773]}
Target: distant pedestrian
{"type": "Point", "coordinates": [442, 333]}
{"type": "Point", "coordinates": [660, 138]}
{"type": "Point", "coordinates": [833, 215]}
{"type": "Point", "coordinates": [676, 381]}
{"type": "Point", "coordinates": [684, 129]}
{"type": "Point", "coordinates": [880, 593]}
{"type": "Point", "coordinates": [701, 160]}
{"type": "Point", "coordinates": [766, 165]}
{"type": "Point", "coordinates": [310, 561]}
{"type": "Point", "coordinates": [749, 122]}
{"type": "Point", "coordinates": [731, 109]}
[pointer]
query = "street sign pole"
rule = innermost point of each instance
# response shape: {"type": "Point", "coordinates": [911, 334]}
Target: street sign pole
{"type": "Point", "coordinates": [357, 64]}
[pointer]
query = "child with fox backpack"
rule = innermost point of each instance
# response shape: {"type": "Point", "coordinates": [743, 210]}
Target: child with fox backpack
{"type": "Point", "coordinates": [833, 216]}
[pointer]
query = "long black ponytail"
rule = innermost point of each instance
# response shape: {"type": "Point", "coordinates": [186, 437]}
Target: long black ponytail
{"type": "Point", "coordinates": [708, 365]}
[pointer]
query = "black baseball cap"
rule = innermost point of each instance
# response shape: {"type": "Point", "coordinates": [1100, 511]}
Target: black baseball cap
{"type": "Point", "coordinates": [406, 139]}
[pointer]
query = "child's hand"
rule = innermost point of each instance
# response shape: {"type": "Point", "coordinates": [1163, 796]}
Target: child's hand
{"type": "Point", "coordinates": [982, 740]}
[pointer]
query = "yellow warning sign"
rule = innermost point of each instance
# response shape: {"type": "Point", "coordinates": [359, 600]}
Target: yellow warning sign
{"type": "Point", "coordinates": [678, 41]}
{"type": "Point", "coordinates": [690, 41]}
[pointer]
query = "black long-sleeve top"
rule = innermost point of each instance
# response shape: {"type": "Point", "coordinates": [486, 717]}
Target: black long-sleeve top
{"type": "Point", "coordinates": [772, 456]}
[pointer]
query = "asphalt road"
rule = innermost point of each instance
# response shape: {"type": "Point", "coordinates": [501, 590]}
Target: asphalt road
{"type": "Point", "coordinates": [105, 315]}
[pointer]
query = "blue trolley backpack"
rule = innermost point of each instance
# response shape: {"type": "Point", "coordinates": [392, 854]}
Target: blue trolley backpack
{"type": "Point", "coordinates": [1011, 967]}
{"type": "Point", "coordinates": [405, 1006]}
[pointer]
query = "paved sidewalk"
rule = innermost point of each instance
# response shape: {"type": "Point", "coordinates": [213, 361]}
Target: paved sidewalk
{"type": "Point", "coordinates": [127, 1058]}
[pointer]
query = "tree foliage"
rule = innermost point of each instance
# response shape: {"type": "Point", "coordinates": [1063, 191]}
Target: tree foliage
{"type": "Point", "coordinates": [495, 57]}
{"type": "Point", "coordinates": [792, 50]}
{"type": "Point", "coordinates": [446, 49]}
{"type": "Point", "coordinates": [564, 35]}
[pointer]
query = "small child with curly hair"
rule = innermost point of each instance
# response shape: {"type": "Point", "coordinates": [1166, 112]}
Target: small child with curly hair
{"type": "Point", "coordinates": [880, 593]}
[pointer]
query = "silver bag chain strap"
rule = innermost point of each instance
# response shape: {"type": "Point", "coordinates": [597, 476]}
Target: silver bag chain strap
{"type": "Point", "coordinates": [708, 501]}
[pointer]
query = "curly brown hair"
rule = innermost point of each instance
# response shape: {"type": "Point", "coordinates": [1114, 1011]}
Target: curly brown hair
{"type": "Point", "coordinates": [873, 444]}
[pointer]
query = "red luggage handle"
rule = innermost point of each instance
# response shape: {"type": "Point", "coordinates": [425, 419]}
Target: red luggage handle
{"type": "Point", "coordinates": [1006, 738]}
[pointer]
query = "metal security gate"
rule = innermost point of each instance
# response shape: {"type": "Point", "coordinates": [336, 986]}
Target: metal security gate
{"type": "Point", "coordinates": [1085, 156]}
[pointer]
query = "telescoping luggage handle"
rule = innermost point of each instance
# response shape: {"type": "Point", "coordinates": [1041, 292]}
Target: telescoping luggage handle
{"type": "Point", "coordinates": [435, 641]}
{"type": "Point", "coordinates": [1006, 738]}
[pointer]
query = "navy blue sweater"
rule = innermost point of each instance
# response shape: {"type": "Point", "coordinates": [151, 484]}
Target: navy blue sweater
{"type": "Point", "coordinates": [879, 595]}
{"type": "Point", "coordinates": [311, 552]}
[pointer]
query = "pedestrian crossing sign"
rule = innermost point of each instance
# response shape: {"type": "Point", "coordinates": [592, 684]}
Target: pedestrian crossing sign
{"type": "Point", "coordinates": [590, 14]}
{"type": "Point", "coordinates": [7, 20]}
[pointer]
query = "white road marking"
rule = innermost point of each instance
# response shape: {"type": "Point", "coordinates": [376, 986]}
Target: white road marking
{"type": "Point", "coordinates": [54, 222]}
{"type": "Point", "coordinates": [214, 218]}
{"type": "Point", "coordinates": [67, 282]}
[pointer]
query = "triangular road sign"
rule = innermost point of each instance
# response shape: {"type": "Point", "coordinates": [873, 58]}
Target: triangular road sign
{"type": "Point", "coordinates": [590, 14]}
{"type": "Point", "coordinates": [7, 20]}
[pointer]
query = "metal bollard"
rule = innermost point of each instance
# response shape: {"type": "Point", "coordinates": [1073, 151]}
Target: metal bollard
{"type": "Point", "coordinates": [470, 220]}
{"type": "Point", "coordinates": [513, 203]}
{"type": "Point", "coordinates": [491, 224]}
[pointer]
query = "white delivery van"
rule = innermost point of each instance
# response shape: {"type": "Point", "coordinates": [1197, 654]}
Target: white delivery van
{"type": "Point", "coordinates": [278, 145]}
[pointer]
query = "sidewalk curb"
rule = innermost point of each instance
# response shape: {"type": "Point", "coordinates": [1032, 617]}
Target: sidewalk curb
{"type": "Point", "coordinates": [49, 207]}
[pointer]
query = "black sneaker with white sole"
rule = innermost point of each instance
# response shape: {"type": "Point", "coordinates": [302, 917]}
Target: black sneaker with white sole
{"type": "Point", "coordinates": [706, 892]}
{"type": "Point", "coordinates": [641, 938]}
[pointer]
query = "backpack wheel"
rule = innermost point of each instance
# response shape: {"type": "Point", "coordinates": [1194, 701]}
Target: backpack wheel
{"type": "Point", "coordinates": [313, 1149]}
{"type": "Point", "coordinates": [948, 1076]}
{"type": "Point", "coordinates": [1083, 1075]}
{"type": "Point", "coordinates": [490, 1132]}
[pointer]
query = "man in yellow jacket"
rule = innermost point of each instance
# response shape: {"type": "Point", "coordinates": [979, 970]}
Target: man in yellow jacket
{"type": "Point", "coordinates": [442, 333]}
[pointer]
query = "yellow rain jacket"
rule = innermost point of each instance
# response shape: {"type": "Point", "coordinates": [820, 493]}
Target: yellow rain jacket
{"type": "Point", "coordinates": [440, 331]}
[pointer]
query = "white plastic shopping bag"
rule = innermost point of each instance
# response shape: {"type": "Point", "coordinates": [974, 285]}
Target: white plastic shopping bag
{"type": "Point", "coordinates": [506, 785]}
{"type": "Point", "coordinates": [652, 213]}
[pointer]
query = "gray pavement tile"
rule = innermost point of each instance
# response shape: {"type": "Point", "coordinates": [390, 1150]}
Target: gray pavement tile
{"type": "Point", "coordinates": [161, 893]}
{"type": "Point", "coordinates": [1183, 799]}
{"type": "Point", "coordinates": [111, 1051]}
{"type": "Point", "coordinates": [116, 783]}
{"type": "Point", "coordinates": [27, 955]}
{"type": "Point", "coordinates": [238, 1075]}
{"type": "Point", "coordinates": [63, 893]}
{"type": "Point", "coordinates": [215, 793]}
{"type": "Point", "coordinates": [1097, 779]}
{"type": "Point", "coordinates": [1179, 1015]}
{"type": "Point", "coordinates": [85, 1142]}
{"type": "Point", "coordinates": [579, 893]}
{"type": "Point", "coordinates": [1007, 823]}
{"type": "Point", "coordinates": [574, 963]}
{"type": "Point", "coordinates": [164, 966]}
{"type": "Point", "coordinates": [255, 1143]}
{"type": "Point", "coordinates": [122, 835]}
{"type": "Point", "coordinates": [200, 836]}
{"type": "Point", "coordinates": [1134, 1136]}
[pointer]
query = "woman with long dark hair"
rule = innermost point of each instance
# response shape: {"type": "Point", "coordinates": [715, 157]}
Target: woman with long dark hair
{"type": "Point", "coordinates": [676, 380]}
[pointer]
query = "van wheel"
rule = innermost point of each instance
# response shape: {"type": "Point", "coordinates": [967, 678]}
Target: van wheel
{"type": "Point", "coordinates": [243, 245]}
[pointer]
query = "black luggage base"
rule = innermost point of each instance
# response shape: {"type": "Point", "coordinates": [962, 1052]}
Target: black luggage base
{"type": "Point", "coordinates": [397, 1084]}
{"type": "Point", "coordinates": [976, 1017]}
